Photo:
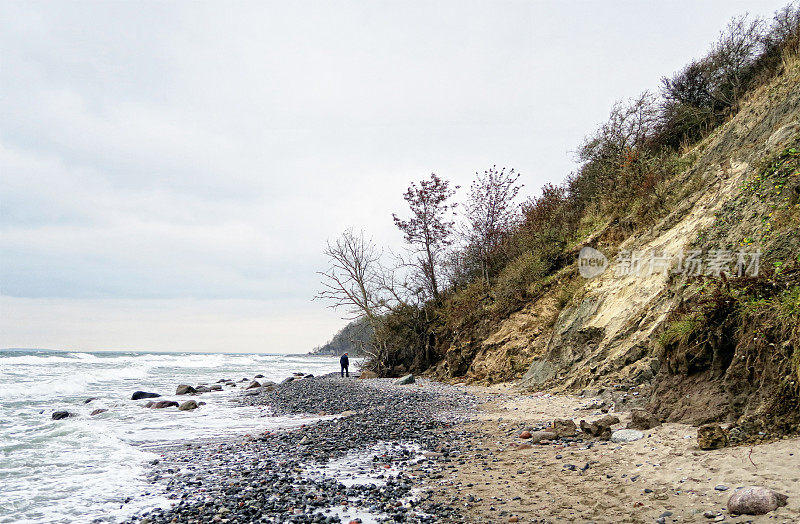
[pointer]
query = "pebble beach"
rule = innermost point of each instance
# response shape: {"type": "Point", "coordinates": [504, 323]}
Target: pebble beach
{"type": "Point", "coordinates": [363, 459]}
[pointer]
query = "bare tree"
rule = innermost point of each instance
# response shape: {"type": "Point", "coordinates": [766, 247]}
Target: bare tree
{"type": "Point", "coordinates": [358, 282]}
{"type": "Point", "coordinates": [783, 35]}
{"type": "Point", "coordinates": [614, 151]}
{"type": "Point", "coordinates": [429, 229]}
{"type": "Point", "coordinates": [732, 56]}
{"type": "Point", "coordinates": [353, 276]}
{"type": "Point", "coordinates": [491, 212]}
{"type": "Point", "coordinates": [628, 128]}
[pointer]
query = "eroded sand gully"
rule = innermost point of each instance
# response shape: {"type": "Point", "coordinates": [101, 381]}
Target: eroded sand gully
{"type": "Point", "coordinates": [663, 475]}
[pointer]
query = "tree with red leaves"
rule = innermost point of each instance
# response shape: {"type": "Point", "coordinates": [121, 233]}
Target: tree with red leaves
{"type": "Point", "coordinates": [429, 230]}
{"type": "Point", "coordinates": [491, 213]}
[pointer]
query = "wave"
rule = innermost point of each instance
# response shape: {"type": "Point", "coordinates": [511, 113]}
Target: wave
{"type": "Point", "coordinates": [88, 357]}
{"type": "Point", "coordinates": [34, 360]}
{"type": "Point", "coordinates": [49, 387]}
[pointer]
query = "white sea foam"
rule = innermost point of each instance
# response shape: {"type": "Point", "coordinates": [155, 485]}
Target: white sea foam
{"type": "Point", "coordinates": [35, 360]}
{"type": "Point", "coordinates": [85, 356]}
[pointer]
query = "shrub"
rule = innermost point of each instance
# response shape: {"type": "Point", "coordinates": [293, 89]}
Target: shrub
{"type": "Point", "coordinates": [514, 284]}
{"type": "Point", "coordinates": [681, 332]}
{"type": "Point", "coordinates": [465, 308]}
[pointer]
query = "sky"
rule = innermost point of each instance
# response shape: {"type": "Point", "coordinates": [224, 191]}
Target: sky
{"type": "Point", "coordinates": [171, 171]}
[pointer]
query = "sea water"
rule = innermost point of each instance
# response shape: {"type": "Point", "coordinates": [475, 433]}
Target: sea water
{"type": "Point", "coordinates": [88, 467]}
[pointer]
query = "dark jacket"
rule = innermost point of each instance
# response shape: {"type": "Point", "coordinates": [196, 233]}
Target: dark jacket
{"type": "Point", "coordinates": [344, 361]}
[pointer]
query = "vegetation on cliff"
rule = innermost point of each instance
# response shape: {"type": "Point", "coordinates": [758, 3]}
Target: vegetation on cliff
{"type": "Point", "coordinates": [492, 274]}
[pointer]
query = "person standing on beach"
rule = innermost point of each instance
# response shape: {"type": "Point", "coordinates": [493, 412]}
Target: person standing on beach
{"type": "Point", "coordinates": [345, 362]}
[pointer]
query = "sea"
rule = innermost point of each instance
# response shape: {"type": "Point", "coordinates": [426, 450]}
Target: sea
{"type": "Point", "coordinates": [86, 467]}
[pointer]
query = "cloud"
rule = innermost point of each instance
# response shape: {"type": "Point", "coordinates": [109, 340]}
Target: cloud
{"type": "Point", "coordinates": [187, 153]}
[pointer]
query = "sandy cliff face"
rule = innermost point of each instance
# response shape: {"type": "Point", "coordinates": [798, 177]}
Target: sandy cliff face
{"type": "Point", "coordinates": [609, 335]}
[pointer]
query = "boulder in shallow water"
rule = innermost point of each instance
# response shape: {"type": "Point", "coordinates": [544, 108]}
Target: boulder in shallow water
{"type": "Point", "coordinates": [216, 387]}
{"type": "Point", "coordinates": [310, 375]}
{"type": "Point", "coordinates": [402, 381]}
{"type": "Point", "coordinates": [97, 412]}
{"type": "Point", "coordinates": [254, 384]}
{"type": "Point", "coordinates": [185, 389]}
{"type": "Point", "coordinates": [89, 400]}
{"type": "Point", "coordinates": [161, 404]}
{"type": "Point", "coordinates": [188, 405]}
{"type": "Point", "coordinates": [58, 415]}
{"type": "Point", "coordinates": [138, 395]}
{"type": "Point", "coordinates": [711, 436]}
{"type": "Point", "coordinates": [202, 389]}
{"type": "Point", "coordinates": [755, 500]}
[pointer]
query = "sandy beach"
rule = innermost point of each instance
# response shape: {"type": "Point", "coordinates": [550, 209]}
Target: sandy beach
{"type": "Point", "coordinates": [664, 475]}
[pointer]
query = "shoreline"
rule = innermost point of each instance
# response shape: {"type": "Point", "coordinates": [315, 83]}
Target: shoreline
{"type": "Point", "coordinates": [431, 452]}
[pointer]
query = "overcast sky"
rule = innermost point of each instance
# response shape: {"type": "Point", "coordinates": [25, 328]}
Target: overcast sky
{"type": "Point", "coordinates": [170, 171]}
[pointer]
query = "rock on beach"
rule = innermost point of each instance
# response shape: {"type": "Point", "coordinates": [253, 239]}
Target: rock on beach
{"type": "Point", "coordinates": [402, 381]}
{"type": "Point", "coordinates": [755, 500]}
{"type": "Point", "coordinates": [540, 436]}
{"type": "Point", "coordinates": [711, 436]}
{"type": "Point", "coordinates": [626, 435]}
{"type": "Point", "coordinates": [600, 428]}
{"type": "Point", "coordinates": [564, 427]}
{"type": "Point", "coordinates": [641, 419]}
